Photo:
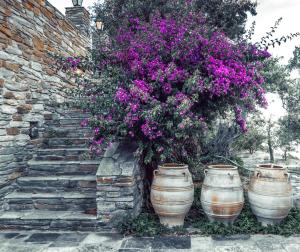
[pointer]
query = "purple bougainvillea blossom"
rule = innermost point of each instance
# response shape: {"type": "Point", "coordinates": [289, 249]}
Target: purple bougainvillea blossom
{"type": "Point", "coordinates": [176, 76]}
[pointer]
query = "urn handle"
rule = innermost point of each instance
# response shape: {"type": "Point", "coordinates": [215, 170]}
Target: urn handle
{"type": "Point", "coordinates": [205, 172]}
{"type": "Point", "coordinates": [186, 176]}
{"type": "Point", "coordinates": [258, 174]}
{"type": "Point", "coordinates": [231, 176]}
{"type": "Point", "coordinates": [155, 172]}
{"type": "Point", "coordinates": [287, 175]}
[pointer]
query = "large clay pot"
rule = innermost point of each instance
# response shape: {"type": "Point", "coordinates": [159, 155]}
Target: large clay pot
{"type": "Point", "coordinates": [222, 197]}
{"type": "Point", "coordinates": [270, 194]}
{"type": "Point", "coordinates": [172, 193]}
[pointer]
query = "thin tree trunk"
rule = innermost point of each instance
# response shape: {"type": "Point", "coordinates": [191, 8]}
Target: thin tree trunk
{"type": "Point", "coordinates": [285, 154]}
{"type": "Point", "coordinates": [271, 151]}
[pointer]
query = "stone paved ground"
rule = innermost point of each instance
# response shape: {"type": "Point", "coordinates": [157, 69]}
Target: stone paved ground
{"type": "Point", "coordinates": [97, 242]}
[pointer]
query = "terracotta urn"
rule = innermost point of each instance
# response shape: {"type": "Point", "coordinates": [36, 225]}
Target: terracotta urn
{"type": "Point", "coordinates": [270, 193]}
{"type": "Point", "coordinates": [172, 193]}
{"type": "Point", "coordinates": [222, 196]}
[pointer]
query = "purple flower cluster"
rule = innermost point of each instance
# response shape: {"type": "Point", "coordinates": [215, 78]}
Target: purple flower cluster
{"type": "Point", "coordinates": [84, 123]}
{"type": "Point", "coordinates": [122, 95]}
{"type": "Point", "coordinates": [181, 59]}
{"type": "Point", "coordinates": [150, 130]}
{"type": "Point", "coordinates": [73, 62]}
{"type": "Point", "coordinates": [239, 119]}
{"type": "Point", "coordinates": [177, 74]}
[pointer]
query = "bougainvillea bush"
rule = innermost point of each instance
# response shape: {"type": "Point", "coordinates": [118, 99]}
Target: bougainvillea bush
{"type": "Point", "coordinates": [164, 81]}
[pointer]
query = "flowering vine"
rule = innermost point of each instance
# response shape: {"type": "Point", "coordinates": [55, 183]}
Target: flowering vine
{"type": "Point", "coordinates": [170, 77]}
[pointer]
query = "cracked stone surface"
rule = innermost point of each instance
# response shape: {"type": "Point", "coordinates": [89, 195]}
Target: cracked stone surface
{"type": "Point", "coordinates": [111, 242]}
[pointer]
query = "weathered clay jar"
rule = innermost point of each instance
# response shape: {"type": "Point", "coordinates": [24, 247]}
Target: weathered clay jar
{"type": "Point", "coordinates": [172, 193]}
{"type": "Point", "coordinates": [270, 194]}
{"type": "Point", "coordinates": [222, 197]}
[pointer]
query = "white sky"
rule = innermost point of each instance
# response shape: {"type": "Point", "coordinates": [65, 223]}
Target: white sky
{"type": "Point", "coordinates": [268, 12]}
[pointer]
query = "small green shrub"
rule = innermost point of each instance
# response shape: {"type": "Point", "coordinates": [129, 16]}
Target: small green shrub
{"type": "Point", "coordinates": [247, 224]}
{"type": "Point", "coordinates": [147, 224]}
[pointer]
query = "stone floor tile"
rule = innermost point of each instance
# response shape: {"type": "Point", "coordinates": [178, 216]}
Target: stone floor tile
{"type": "Point", "coordinates": [96, 248]}
{"type": "Point", "coordinates": [239, 237]}
{"type": "Point", "coordinates": [97, 238]}
{"type": "Point", "coordinates": [72, 237]}
{"type": "Point", "coordinates": [234, 243]}
{"type": "Point", "coordinates": [62, 244]}
{"type": "Point", "coordinates": [21, 248]}
{"type": "Point", "coordinates": [178, 250]}
{"type": "Point", "coordinates": [65, 249]}
{"type": "Point", "coordinates": [43, 237]}
{"type": "Point", "coordinates": [172, 242]}
{"type": "Point", "coordinates": [269, 245]}
{"type": "Point", "coordinates": [292, 247]}
{"type": "Point", "coordinates": [277, 250]}
{"type": "Point", "coordinates": [9, 235]}
{"type": "Point", "coordinates": [292, 240]}
{"type": "Point", "coordinates": [134, 250]}
{"type": "Point", "coordinates": [110, 242]}
{"type": "Point", "coordinates": [237, 248]}
{"type": "Point", "coordinates": [201, 250]}
{"type": "Point", "coordinates": [101, 242]}
{"type": "Point", "coordinates": [21, 236]}
{"type": "Point", "coordinates": [137, 243]}
{"type": "Point", "coordinates": [201, 243]}
{"type": "Point", "coordinates": [157, 243]}
{"type": "Point", "coordinates": [268, 237]}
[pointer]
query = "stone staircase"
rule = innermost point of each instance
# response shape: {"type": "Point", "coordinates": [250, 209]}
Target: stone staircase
{"type": "Point", "coordinates": [58, 190]}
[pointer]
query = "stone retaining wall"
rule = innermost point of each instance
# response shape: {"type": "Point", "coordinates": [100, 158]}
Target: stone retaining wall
{"type": "Point", "coordinates": [119, 185]}
{"type": "Point", "coordinates": [30, 89]}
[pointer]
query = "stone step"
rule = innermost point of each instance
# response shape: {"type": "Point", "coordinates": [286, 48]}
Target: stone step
{"type": "Point", "coordinates": [66, 122]}
{"type": "Point", "coordinates": [77, 114]}
{"type": "Point", "coordinates": [66, 142]}
{"type": "Point", "coordinates": [65, 154]}
{"type": "Point", "coordinates": [71, 120]}
{"type": "Point", "coordinates": [56, 201]}
{"type": "Point", "coordinates": [50, 184]}
{"type": "Point", "coordinates": [64, 132]}
{"type": "Point", "coordinates": [48, 220]}
{"type": "Point", "coordinates": [51, 168]}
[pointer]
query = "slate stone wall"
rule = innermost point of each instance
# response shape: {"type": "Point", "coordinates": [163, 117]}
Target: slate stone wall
{"type": "Point", "coordinates": [79, 17]}
{"type": "Point", "coordinates": [30, 89]}
{"type": "Point", "coordinates": [119, 185]}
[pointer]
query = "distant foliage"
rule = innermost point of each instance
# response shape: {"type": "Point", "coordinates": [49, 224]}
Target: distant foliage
{"type": "Point", "coordinates": [278, 79]}
{"type": "Point", "coordinates": [254, 138]}
{"type": "Point", "coordinates": [294, 62]}
{"type": "Point", "coordinates": [290, 123]}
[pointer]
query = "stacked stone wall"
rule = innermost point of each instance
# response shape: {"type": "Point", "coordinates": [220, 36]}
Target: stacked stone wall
{"type": "Point", "coordinates": [119, 185]}
{"type": "Point", "coordinates": [30, 88]}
